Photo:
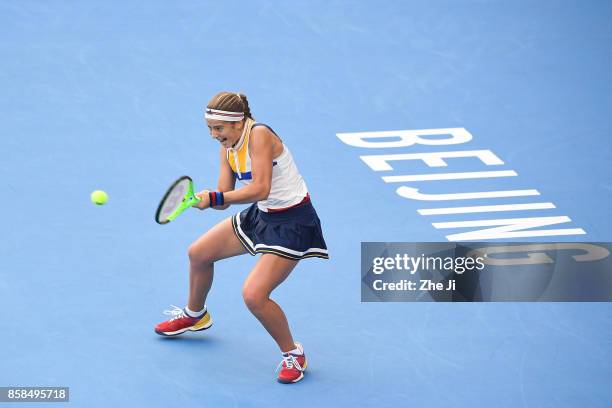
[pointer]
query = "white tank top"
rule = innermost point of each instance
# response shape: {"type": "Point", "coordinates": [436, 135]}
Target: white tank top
{"type": "Point", "coordinates": [288, 187]}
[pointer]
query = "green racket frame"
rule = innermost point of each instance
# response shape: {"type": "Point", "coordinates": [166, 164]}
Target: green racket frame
{"type": "Point", "coordinates": [189, 200]}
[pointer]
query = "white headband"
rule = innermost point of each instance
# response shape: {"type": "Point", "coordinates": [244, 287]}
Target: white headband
{"type": "Point", "coordinates": [215, 114]}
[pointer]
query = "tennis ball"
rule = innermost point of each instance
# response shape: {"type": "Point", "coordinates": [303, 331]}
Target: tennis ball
{"type": "Point", "coordinates": [99, 197]}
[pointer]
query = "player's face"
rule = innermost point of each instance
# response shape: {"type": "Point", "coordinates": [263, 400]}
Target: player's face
{"type": "Point", "coordinates": [226, 133]}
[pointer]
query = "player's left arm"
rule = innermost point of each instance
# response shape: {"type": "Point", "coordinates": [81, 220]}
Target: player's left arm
{"type": "Point", "coordinates": [261, 145]}
{"type": "Point", "coordinates": [227, 181]}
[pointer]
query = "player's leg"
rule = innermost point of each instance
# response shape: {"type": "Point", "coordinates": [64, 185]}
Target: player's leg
{"type": "Point", "coordinates": [269, 272]}
{"type": "Point", "coordinates": [218, 243]}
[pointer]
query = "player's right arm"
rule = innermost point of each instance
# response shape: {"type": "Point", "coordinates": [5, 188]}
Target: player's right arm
{"type": "Point", "coordinates": [227, 181]}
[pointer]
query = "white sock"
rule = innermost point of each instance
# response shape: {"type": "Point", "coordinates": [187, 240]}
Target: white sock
{"type": "Point", "coordinates": [191, 313]}
{"type": "Point", "coordinates": [298, 351]}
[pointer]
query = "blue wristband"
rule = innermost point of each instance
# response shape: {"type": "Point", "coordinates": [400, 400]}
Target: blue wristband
{"type": "Point", "coordinates": [216, 198]}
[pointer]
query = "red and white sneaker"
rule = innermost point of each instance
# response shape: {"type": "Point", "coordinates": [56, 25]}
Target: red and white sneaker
{"type": "Point", "coordinates": [292, 366]}
{"type": "Point", "coordinates": [182, 322]}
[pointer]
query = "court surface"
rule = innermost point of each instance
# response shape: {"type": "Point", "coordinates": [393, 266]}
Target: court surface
{"type": "Point", "coordinates": [108, 95]}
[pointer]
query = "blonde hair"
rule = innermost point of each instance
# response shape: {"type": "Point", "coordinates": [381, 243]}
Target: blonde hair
{"type": "Point", "coordinates": [231, 102]}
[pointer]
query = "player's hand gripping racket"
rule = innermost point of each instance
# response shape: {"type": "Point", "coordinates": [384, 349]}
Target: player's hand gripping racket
{"type": "Point", "coordinates": [177, 199]}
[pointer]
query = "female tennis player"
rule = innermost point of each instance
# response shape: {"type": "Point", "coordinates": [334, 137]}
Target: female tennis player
{"type": "Point", "coordinates": [281, 225]}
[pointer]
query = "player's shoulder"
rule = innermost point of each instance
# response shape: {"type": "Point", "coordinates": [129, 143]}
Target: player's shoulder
{"type": "Point", "coordinates": [261, 131]}
{"type": "Point", "coordinates": [261, 135]}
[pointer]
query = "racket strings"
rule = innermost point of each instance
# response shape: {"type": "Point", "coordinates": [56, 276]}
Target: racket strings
{"type": "Point", "coordinates": [174, 199]}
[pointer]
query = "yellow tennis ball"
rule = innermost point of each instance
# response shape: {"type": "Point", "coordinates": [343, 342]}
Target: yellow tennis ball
{"type": "Point", "coordinates": [99, 197]}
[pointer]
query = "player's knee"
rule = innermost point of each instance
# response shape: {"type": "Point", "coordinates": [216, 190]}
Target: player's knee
{"type": "Point", "coordinates": [197, 256]}
{"type": "Point", "coordinates": [253, 299]}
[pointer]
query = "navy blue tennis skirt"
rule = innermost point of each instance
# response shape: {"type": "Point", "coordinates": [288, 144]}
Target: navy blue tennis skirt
{"type": "Point", "coordinates": [294, 233]}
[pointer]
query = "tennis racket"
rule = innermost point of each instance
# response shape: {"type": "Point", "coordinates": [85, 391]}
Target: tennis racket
{"type": "Point", "coordinates": [177, 199]}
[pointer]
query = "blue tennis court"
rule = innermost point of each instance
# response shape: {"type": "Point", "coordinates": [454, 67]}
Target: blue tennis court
{"type": "Point", "coordinates": [102, 95]}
